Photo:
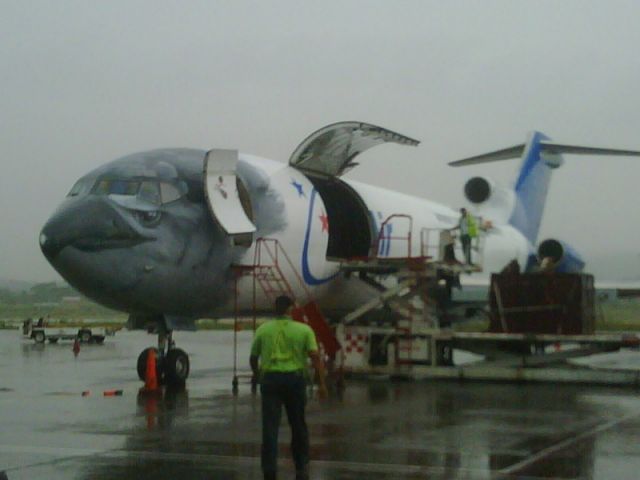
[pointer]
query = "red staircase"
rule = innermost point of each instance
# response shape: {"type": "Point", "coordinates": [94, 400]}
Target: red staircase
{"type": "Point", "coordinates": [311, 315]}
{"type": "Point", "coordinates": [268, 271]}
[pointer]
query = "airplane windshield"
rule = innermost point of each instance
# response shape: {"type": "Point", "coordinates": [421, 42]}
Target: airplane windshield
{"type": "Point", "coordinates": [81, 187]}
{"type": "Point", "coordinates": [159, 193]}
{"type": "Point", "coordinates": [150, 191]}
{"type": "Point", "coordinates": [118, 187]}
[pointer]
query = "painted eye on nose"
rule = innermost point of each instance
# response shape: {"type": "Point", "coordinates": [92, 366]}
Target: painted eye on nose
{"type": "Point", "coordinates": [149, 219]}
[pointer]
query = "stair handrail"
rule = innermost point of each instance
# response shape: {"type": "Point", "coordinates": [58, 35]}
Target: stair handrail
{"type": "Point", "coordinates": [276, 253]}
{"type": "Point", "coordinates": [427, 246]}
{"type": "Point", "coordinates": [381, 233]}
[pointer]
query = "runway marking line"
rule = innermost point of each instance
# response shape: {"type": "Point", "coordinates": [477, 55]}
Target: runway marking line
{"type": "Point", "coordinates": [545, 452]}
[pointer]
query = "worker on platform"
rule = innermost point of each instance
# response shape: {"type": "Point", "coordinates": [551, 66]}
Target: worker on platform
{"type": "Point", "coordinates": [279, 356]}
{"type": "Point", "coordinates": [468, 231]}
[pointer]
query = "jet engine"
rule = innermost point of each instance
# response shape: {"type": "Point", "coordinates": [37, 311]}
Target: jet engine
{"type": "Point", "coordinates": [478, 190]}
{"type": "Point", "coordinates": [559, 257]}
{"type": "Point", "coordinates": [493, 201]}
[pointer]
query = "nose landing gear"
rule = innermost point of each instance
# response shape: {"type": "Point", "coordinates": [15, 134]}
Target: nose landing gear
{"type": "Point", "coordinates": [172, 364]}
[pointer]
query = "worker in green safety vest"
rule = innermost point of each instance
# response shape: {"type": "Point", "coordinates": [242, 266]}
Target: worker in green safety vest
{"type": "Point", "coordinates": [468, 231]}
{"type": "Point", "coordinates": [279, 355]}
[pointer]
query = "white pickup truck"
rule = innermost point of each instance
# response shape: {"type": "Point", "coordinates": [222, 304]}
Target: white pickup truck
{"type": "Point", "coordinates": [40, 332]}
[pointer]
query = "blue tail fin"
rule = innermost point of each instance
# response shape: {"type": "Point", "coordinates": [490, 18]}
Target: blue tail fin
{"type": "Point", "coordinates": [531, 187]}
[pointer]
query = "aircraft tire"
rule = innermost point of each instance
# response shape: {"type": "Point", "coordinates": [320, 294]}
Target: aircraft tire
{"type": "Point", "coordinates": [176, 367]}
{"type": "Point", "coordinates": [142, 363]}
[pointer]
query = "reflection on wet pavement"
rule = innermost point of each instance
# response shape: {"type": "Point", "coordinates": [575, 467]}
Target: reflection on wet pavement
{"type": "Point", "coordinates": [376, 429]}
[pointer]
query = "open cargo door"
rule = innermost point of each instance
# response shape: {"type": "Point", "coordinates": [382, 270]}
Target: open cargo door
{"type": "Point", "coordinates": [331, 150]}
{"type": "Point", "coordinates": [222, 190]}
{"type": "Point", "coordinates": [324, 156]}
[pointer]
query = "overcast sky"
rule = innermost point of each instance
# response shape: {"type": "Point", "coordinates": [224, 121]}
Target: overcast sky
{"type": "Point", "coordinates": [83, 82]}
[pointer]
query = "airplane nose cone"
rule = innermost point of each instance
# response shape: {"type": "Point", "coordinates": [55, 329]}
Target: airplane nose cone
{"type": "Point", "coordinates": [89, 224]}
{"type": "Point", "coordinates": [48, 247]}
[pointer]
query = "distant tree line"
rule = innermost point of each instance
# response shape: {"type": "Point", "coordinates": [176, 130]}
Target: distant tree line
{"type": "Point", "coordinates": [49, 292]}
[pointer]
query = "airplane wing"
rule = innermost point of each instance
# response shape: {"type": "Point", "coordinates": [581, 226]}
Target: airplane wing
{"type": "Point", "coordinates": [331, 150]}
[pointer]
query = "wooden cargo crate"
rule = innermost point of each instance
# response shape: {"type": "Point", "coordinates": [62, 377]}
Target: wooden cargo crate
{"type": "Point", "coordinates": [558, 303]}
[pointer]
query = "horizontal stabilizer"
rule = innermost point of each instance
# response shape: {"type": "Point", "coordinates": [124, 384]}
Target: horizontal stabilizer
{"type": "Point", "coordinates": [504, 154]}
{"type": "Point", "coordinates": [550, 147]}
{"type": "Point", "coordinates": [545, 147]}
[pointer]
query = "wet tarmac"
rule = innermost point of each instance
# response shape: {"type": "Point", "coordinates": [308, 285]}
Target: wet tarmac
{"type": "Point", "coordinates": [376, 429]}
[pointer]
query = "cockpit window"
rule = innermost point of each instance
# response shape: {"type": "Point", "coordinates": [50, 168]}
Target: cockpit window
{"type": "Point", "coordinates": [169, 192]}
{"type": "Point", "coordinates": [81, 187]}
{"type": "Point", "coordinates": [118, 187]}
{"type": "Point", "coordinates": [149, 192]}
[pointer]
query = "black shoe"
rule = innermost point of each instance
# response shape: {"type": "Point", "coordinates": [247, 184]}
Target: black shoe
{"type": "Point", "coordinates": [269, 476]}
{"type": "Point", "coordinates": [302, 474]}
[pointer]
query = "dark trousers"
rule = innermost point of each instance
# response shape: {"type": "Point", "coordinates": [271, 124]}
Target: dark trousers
{"type": "Point", "coordinates": [466, 247]}
{"type": "Point", "coordinates": [288, 390]}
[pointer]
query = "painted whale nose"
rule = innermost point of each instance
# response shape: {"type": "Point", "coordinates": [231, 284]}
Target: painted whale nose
{"type": "Point", "coordinates": [90, 223]}
{"type": "Point", "coordinates": [48, 246]}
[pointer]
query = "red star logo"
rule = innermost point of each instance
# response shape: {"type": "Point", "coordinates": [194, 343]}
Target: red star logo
{"type": "Point", "coordinates": [325, 222]}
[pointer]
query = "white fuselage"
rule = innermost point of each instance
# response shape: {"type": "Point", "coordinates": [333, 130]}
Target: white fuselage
{"type": "Point", "coordinates": [412, 228]}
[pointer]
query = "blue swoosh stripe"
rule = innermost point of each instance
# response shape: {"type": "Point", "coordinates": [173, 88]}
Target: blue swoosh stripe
{"type": "Point", "coordinates": [388, 234]}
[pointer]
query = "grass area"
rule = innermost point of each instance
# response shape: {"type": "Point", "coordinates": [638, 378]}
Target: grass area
{"type": "Point", "coordinates": [209, 324]}
{"type": "Point", "coordinates": [619, 315]}
{"type": "Point", "coordinates": [63, 314]}
{"type": "Point", "coordinates": [68, 311]}
{"type": "Point", "coordinates": [611, 316]}
{"type": "Point", "coordinates": [227, 324]}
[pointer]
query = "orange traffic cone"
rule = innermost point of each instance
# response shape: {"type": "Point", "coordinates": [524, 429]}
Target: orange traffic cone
{"type": "Point", "coordinates": [150, 377]}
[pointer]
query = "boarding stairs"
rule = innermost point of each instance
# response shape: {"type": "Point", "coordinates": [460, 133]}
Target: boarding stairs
{"type": "Point", "coordinates": [274, 274]}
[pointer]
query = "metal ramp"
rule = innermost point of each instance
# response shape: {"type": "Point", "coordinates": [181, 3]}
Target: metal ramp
{"type": "Point", "coordinates": [407, 293]}
{"type": "Point", "coordinates": [268, 273]}
{"type": "Point", "coordinates": [411, 287]}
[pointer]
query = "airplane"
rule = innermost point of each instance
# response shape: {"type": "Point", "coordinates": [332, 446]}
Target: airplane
{"type": "Point", "coordinates": [162, 234]}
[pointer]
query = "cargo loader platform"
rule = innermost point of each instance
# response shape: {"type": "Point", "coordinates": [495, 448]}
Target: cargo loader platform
{"type": "Point", "coordinates": [538, 324]}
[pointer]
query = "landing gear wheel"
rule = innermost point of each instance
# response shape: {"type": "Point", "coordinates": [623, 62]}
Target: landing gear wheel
{"type": "Point", "coordinates": [142, 363]}
{"type": "Point", "coordinates": [176, 367]}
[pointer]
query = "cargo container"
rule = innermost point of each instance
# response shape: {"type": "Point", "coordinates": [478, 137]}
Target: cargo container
{"type": "Point", "coordinates": [547, 303]}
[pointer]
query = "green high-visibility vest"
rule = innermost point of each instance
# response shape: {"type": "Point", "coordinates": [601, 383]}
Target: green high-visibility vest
{"type": "Point", "coordinates": [472, 226]}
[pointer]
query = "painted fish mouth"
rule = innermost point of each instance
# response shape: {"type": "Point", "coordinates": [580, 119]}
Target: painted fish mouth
{"type": "Point", "coordinates": [91, 224]}
{"type": "Point", "coordinates": [95, 244]}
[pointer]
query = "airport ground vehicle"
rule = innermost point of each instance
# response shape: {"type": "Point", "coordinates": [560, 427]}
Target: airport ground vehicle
{"type": "Point", "coordinates": [41, 332]}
